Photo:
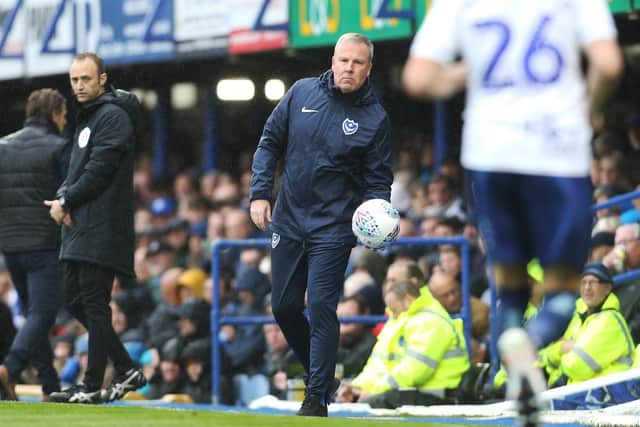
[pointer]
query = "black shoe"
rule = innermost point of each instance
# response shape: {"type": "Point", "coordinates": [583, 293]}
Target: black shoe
{"type": "Point", "coordinates": [312, 406]}
{"type": "Point", "coordinates": [131, 380]}
{"type": "Point", "coordinates": [527, 405]}
{"type": "Point", "coordinates": [78, 393]}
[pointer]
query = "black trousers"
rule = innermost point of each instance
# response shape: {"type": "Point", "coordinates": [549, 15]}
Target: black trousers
{"type": "Point", "coordinates": [318, 269]}
{"type": "Point", "coordinates": [87, 295]}
{"type": "Point", "coordinates": [36, 276]}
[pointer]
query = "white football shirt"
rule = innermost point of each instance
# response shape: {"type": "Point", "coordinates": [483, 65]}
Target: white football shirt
{"type": "Point", "coordinates": [526, 108]}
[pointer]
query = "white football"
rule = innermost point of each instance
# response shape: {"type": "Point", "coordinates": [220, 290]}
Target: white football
{"type": "Point", "coordinates": [376, 223]}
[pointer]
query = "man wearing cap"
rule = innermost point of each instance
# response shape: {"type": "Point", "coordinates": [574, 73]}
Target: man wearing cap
{"type": "Point", "coordinates": [597, 341]}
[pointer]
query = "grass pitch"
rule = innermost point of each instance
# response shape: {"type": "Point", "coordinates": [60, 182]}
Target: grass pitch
{"type": "Point", "coordinates": [24, 414]}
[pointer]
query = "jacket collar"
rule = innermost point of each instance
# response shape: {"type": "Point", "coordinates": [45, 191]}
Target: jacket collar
{"type": "Point", "coordinates": [611, 302]}
{"type": "Point", "coordinates": [45, 124]}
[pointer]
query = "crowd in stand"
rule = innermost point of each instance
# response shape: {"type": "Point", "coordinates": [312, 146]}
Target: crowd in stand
{"type": "Point", "coordinates": [163, 317]}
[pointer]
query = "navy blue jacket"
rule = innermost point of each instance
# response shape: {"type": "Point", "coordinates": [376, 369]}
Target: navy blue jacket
{"type": "Point", "coordinates": [337, 154]}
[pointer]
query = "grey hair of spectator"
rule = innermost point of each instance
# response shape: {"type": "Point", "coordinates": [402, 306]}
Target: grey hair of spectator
{"type": "Point", "coordinates": [356, 281]}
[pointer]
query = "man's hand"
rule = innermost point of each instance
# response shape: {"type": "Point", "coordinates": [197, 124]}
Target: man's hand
{"type": "Point", "coordinates": [59, 215]}
{"type": "Point", "coordinates": [347, 393]}
{"type": "Point", "coordinates": [567, 346]}
{"type": "Point", "coordinates": [261, 213]}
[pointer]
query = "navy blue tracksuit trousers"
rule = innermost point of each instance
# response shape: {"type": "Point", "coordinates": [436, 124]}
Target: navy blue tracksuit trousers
{"type": "Point", "coordinates": [317, 268]}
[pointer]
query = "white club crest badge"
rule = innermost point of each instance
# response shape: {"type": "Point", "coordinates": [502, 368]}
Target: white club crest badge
{"type": "Point", "coordinates": [275, 239]}
{"type": "Point", "coordinates": [83, 138]}
{"type": "Point", "coordinates": [349, 127]}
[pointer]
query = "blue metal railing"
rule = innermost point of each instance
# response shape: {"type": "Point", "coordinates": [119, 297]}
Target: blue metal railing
{"type": "Point", "coordinates": [217, 320]}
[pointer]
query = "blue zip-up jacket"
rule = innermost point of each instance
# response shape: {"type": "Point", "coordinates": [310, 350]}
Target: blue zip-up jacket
{"type": "Point", "coordinates": [337, 154]}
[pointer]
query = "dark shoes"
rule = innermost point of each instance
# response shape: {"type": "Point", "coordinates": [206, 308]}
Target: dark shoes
{"type": "Point", "coordinates": [78, 393]}
{"type": "Point", "coordinates": [7, 387]}
{"type": "Point", "coordinates": [131, 380]}
{"type": "Point", "coordinates": [313, 406]}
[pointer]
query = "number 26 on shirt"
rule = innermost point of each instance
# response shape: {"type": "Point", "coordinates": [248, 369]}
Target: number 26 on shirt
{"type": "Point", "coordinates": [537, 47]}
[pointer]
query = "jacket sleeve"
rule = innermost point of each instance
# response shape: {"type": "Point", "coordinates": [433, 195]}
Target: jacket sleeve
{"type": "Point", "coordinates": [270, 148]}
{"type": "Point", "coordinates": [597, 347]}
{"type": "Point", "coordinates": [373, 377]}
{"type": "Point", "coordinates": [377, 164]}
{"type": "Point", "coordinates": [427, 340]}
{"type": "Point", "coordinates": [114, 131]}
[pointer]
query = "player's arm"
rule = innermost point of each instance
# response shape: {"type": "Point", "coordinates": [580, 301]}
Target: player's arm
{"type": "Point", "coordinates": [426, 78]}
{"type": "Point", "coordinates": [604, 70]}
{"type": "Point", "coordinates": [431, 70]}
{"type": "Point", "coordinates": [598, 38]}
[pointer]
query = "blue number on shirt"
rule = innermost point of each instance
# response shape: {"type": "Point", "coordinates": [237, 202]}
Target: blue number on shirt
{"type": "Point", "coordinates": [537, 46]}
{"type": "Point", "coordinates": [505, 36]}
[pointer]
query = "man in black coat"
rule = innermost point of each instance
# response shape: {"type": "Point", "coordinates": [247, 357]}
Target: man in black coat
{"type": "Point", "coordinates": [95, 204]}
{"type": "Point", "coordinates": [32, 164]}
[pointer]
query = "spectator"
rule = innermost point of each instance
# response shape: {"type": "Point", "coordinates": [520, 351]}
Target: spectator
{"type": "Point", "coordinates": [169, 378]}
{"type": "Point", "coordinates": [356, 281]}
{"type": "Point", "coordinates": [446, 289]}
{"type": "Point", "coordinates": [162, 324]}
{"type": "Point", "coordinates": [191, 284]}
{"type": "Point", "coordinates": [356, 339]}
{"type": "Point", "coordinates": [597, 341]}
{"type": "Point", "coordinates": [196, 364]}
{"type": "Point", "coordinates": [175, 233]}
{"type": "Point", "coordinates": [601, 244]}
{"type": "Point", "coordinates": [162, 210]}
{"type": "Point", "coordinates": [419, 358]}
{"type": "Point", "coordinates": [281, 364]}
{"type": "Point", "coordinates": [626, 254]}
{"type": "Point", "coordinates": [443, 201]}
{"type": "Point", "coordinates": [244, 344]}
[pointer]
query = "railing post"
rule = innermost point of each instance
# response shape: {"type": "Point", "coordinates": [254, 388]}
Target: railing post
{"type": "Point", "coordinates": [215, 323]}
{"type": "Point", "coordinates": [466, 291]}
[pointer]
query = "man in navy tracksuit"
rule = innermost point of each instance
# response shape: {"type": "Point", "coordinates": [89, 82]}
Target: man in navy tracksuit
{"type": "Point", "coordinates": [334, 138]}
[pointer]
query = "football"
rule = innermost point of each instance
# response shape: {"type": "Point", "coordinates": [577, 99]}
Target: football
{"type": "Point", "coordinates": [376, 223]}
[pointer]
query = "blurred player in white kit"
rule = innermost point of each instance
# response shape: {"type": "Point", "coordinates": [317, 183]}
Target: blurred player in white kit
{"type": "Point", "coordinates": [526, 147]}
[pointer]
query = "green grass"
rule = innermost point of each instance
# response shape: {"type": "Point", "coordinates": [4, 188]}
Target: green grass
{"type": "Point", "coordinates": [65, 415]}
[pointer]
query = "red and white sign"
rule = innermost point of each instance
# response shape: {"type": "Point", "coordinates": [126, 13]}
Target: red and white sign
{"type": "Point", "coordinates": [258, 25]}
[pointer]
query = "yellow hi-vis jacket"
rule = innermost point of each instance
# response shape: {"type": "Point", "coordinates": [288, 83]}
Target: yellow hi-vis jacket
{"type": "Point", "coordinates": [423, 348]}
{"type": "Point", "coordinates": [603, 344]}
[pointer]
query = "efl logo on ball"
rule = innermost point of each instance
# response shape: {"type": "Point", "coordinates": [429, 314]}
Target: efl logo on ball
{"type": "Point", "coordinates": [376, 223]}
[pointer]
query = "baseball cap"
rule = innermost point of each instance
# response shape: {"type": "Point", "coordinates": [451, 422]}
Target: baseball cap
{"type": "Point", "coordinates": [193, 279]}
{"type": "Point", "coordinates": [162, 206]}
{"type": "Point", "coordinates": [598, 270]}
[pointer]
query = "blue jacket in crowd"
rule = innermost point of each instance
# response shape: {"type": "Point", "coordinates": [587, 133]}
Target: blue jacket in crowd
{"type": "Point", "coordinates": [337, 154]}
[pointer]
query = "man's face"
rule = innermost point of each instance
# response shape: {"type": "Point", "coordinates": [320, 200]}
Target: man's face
{"type": "Point", "coordinates": [86, 83]}
{"type": "Point", "coordinates": [592, 291]}
{"type": "Point", "coordinates": [395, 273]}
{"type": "Point", "coordinates": [450, 262]}
{"type": "Point", "coordinates": [627, 235]}
{"type": "Point", "coordinates": [447, 291]}
{"type": "Point", "coordinates": [350, 65]}
{"type": "Point", "coordinates": [349, 332]}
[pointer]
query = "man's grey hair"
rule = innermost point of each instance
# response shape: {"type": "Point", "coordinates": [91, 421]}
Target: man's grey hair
{"type": "Point", "coordinates": [358, 38]}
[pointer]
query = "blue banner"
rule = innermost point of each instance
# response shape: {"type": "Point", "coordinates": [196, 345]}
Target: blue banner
{"type": "Point", "coordinates": [134, 31]}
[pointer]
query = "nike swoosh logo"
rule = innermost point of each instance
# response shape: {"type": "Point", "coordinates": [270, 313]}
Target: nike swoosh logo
{"type": "Point", "coordinates": [308, 110]}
